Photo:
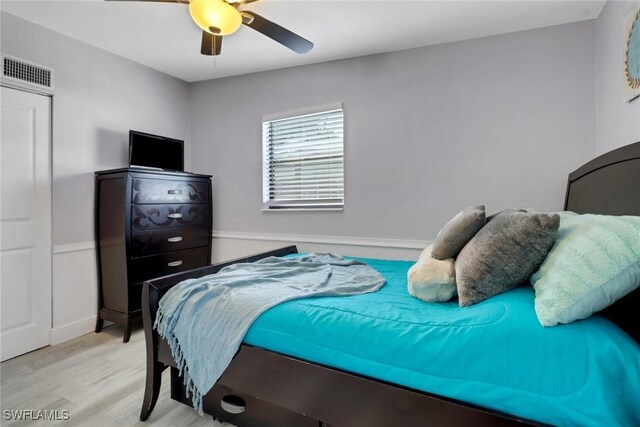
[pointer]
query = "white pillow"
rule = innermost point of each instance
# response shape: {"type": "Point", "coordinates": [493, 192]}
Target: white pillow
{"type": "Point", "coordinates": [595, 261]}
{"type": "Point", "coordinates": [431, 279]}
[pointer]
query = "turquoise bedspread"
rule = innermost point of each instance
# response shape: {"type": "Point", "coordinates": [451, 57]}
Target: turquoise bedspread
{"type": "Point", "coordinates": [494, 354]}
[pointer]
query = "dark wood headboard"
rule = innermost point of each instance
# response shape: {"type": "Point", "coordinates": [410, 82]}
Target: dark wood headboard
{"type": "Point", "coordinates": [610, 185]}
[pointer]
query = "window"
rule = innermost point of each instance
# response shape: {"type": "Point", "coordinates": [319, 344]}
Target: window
{"type": "Point", "coordinates": [303, 161]}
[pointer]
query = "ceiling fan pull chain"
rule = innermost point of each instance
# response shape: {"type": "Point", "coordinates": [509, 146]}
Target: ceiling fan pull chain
{"type": "Point", "coordinates": [214, 49]}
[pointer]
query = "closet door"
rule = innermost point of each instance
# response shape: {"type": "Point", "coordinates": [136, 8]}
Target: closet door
{"type": "Point", "coordinates": [25, 222]}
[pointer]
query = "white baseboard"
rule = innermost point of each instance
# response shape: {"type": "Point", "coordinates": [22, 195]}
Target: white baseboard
{"type": "Point", "coordinates": [73, 330]}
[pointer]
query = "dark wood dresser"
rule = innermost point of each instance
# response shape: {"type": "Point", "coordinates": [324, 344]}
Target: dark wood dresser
{"type": "Point", "coordinates": [148, 224]}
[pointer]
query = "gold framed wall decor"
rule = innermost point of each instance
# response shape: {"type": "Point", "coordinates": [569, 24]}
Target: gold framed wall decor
{"type": "Point", "coordinates": [632, 54]}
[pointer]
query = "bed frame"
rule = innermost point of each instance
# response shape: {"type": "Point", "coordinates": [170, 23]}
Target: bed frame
{"type": "Point", "coordinates": [272, 389]}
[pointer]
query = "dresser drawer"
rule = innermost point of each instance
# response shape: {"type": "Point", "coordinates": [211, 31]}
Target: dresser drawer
{"type": "Point", "coordinates": [152, 191]}
{"type": "Point", "coordinates": [168, 239]}
{"type": "Point", "coordinates": [147, 217]}
{"type": "Point", "coordinates": [149, 267]}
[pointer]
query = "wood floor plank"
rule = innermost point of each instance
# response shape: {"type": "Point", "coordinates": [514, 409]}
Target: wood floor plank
{"type": "Point", "coordinates": [97, 378]}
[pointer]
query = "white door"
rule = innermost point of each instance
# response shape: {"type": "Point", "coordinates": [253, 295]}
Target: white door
{"type": "Point", "coordinates": [25, 222]}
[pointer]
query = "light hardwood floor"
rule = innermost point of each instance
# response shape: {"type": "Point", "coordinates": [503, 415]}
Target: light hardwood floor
{"type": "Point", "coordinates": [97, 378]}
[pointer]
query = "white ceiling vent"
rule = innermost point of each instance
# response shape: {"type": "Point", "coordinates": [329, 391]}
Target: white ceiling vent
{"type": "Point", "coordinates": [26, 75]}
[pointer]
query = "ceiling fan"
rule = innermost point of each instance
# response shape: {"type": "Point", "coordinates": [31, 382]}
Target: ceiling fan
{"type": "Point", "coordinates": [219, 18]}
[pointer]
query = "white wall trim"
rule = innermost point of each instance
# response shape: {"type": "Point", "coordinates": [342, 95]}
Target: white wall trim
{"type": "Point", "coordinates": [329, 240]}
{"type": "Point", "coordinates": [74, 247]}
{"type": "Point", "coordinates": [277, 237]}
{"type": "Point", "coordinates": [73, 330]}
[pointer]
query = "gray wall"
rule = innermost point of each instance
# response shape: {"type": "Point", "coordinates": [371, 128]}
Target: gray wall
{"type": "Point", "coordinates": [98, 98]}
{"type": "Point", "coordinates": [617, 123]}
{"type": "Point", "coordinates": [500, 121]}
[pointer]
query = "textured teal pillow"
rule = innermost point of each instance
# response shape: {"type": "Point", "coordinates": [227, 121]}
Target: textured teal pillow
{"type": "Point", "coordinates": [594, 262]}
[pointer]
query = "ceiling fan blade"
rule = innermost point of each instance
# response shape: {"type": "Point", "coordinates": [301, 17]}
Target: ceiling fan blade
{"type": "Point", "coordinates": [276, 32]}
{"type": "Point", "coordinates": [241, 2]}
{"type": "Point", "coordinates": [211, 44]}
{"type": "Point", "coordinates": [157, 1]}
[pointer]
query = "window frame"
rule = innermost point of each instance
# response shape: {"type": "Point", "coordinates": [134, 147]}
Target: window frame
{"type": "Point", "coordinates": [297, 203]}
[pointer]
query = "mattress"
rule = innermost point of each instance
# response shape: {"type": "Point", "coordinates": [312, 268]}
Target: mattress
{"type": "Point", "coordinates": [494, 354]}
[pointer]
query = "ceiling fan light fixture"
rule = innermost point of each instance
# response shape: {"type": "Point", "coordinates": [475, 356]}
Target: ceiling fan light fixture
{"type": "Point", "coordinates": [215, 16]}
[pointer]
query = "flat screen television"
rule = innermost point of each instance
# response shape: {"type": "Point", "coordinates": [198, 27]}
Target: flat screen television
{"type": "Point", "coordinates": [154, 151]}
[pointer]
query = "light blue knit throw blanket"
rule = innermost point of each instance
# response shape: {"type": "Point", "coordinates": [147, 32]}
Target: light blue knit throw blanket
{"type": "Point", "coordinates": [204, 320]}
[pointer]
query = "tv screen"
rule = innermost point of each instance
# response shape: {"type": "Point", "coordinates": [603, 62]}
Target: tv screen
{"type": "Point", "coordinates": [155, 151]}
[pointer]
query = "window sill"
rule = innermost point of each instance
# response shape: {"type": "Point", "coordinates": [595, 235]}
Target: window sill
{"type": "Point", "coordinates": [303, 210]}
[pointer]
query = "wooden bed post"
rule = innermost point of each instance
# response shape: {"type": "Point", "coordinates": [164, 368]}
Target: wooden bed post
{"type": "Point", "coordinates": [154, 367]}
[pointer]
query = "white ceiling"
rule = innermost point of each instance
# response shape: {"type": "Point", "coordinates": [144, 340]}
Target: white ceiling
{"type": "Point", "coordinates": [162, 35]}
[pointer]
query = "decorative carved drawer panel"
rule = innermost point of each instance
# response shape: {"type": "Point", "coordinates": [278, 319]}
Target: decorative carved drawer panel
{"type": "Point", "coordinates": [147, 217]}
{"type": "Point", "coordinates": [154, 191]}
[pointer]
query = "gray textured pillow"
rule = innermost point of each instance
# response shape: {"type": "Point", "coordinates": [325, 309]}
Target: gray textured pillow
{"type": "Point", "coordinates": [505, 253]}
{"type": "Point", "coordinates": [490, 217]}
{"type": "Point", "coordinates": [457, 232]}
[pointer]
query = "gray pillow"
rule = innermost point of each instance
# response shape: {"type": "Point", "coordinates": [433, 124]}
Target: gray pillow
{"type": "Point", "coordinates": [490, 217]}
{"type": "Point", "coordinates": [505, 253]}
{"type": "Point", "coordinates": [457, 232]}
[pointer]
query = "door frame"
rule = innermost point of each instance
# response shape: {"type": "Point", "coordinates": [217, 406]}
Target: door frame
{"type": "Point", "coordinates": [50, 95]}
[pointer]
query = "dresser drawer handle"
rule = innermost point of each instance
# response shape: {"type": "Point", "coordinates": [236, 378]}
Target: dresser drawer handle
{"type": "Point", "coordinates": [175, 215]}
{"type": "Point", "coordinates": [175, 191]}
{"type": "Point", "coordinates": [175, 263]}
{"type": "Point", "coordinates": [174, 239]}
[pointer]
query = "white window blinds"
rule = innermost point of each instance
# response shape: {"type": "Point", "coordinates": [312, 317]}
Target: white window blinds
{"type": "Point", "coordinates": [303, 161]}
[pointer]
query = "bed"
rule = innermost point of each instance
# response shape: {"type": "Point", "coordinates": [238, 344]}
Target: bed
{"type": "Point", "coordinates": [290, 371]}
